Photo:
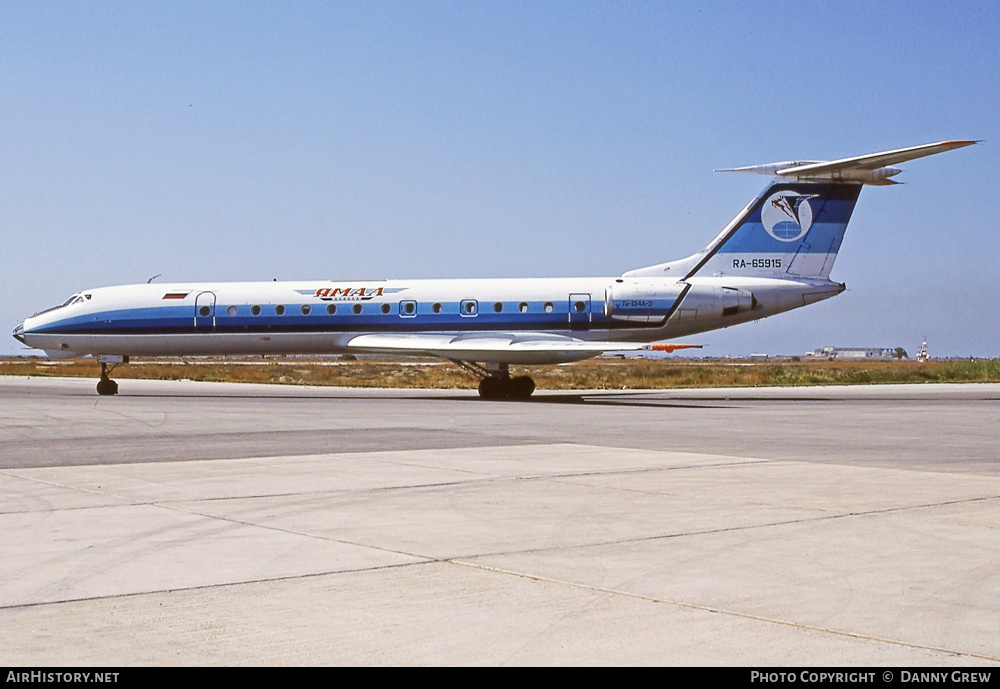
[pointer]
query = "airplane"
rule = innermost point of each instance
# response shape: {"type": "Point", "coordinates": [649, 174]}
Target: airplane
{"type": "Point", "coordinates": [774, 256]}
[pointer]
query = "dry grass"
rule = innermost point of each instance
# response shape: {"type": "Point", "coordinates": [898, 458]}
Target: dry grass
{"type": "Point", "coordinates": [594, 374]}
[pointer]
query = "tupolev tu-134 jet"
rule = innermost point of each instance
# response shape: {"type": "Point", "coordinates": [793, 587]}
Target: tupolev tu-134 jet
{"type": "Point", "coordinates": [775, 255]}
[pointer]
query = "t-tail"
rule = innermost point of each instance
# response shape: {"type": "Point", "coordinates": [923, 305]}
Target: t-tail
{"type": "Point", "coordinates": [794, 229]}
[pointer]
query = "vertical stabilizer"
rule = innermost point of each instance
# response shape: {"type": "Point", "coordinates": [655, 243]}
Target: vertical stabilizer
{"type": "Point", "coordinates": [791, 230]}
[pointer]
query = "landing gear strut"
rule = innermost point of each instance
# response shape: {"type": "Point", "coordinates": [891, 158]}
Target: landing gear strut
{"type": "Point", "coordinates": [496, 382]}
{"type": "Point", "coordinates": [106, 386]}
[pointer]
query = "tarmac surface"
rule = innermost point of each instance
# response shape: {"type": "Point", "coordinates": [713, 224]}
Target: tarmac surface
{"type": "Point", "coordinates": [186, 523]}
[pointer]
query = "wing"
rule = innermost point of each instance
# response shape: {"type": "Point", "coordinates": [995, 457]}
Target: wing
{"type": "Point", "coordinates": [509, 348]}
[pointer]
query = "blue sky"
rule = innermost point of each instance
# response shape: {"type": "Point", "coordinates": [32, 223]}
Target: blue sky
{"type": "Point", "coordinates": [300, 140]}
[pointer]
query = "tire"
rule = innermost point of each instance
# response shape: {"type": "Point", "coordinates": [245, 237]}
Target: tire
{"type": "Point", "coordinates": [520, 388]}
{"type": "Point", "coordinates": [106, 386]}
{"type": "Point", "coordinates": [492, 389]}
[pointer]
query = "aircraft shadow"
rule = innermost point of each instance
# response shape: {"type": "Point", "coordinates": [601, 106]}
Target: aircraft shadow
{"type": "Point", "coordinates": [623, 400]}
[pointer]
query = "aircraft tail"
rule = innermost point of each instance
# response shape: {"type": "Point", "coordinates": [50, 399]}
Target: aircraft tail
{"type": "Point", "coordinates": [794, 229]}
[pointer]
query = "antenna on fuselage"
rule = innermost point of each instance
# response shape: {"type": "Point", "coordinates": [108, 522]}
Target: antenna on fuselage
{"type": "Point", "coordinates": [153, 278]}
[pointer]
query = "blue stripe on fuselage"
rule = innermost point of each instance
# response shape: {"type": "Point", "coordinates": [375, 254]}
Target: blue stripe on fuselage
{"type": "Point", "coordinates": [180, 319]}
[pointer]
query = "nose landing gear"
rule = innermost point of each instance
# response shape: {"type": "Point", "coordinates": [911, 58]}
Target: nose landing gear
{"type": "Point", "coordinates": [106, 386]}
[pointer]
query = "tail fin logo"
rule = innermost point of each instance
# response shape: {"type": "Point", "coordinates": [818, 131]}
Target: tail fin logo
{"type": "Point", "coordinates": [787, 216]}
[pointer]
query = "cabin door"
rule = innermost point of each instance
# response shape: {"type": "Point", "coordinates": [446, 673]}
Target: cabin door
{"type": "Point", "coordinates": [579, 312]}
{"type": "Point", "coordinates": [204, 312]}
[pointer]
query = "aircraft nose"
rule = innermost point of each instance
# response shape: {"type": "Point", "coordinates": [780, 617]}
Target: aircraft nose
{"type": "Point", "coordinates": [19, 333]}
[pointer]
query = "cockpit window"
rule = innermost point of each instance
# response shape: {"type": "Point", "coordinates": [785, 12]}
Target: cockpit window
{"type": "Point", "coordinates": [75, 299]}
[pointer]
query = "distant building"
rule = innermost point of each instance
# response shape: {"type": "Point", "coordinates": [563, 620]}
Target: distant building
{"type": "Point", "coordinates": [852, 353]}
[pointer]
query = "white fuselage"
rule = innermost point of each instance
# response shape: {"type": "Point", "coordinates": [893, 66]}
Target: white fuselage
{"type": "Point", "coordinates": [324, 317]}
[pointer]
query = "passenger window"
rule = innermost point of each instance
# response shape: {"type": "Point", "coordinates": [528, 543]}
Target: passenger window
{"type": "Point", "coordinates": [279, 310]}
{"type": "Point", "coordinates": [386, 308]}
{"type": "Point", "coordinates": [498, 307]}
{"type": "Point", "coordinates": [579, 306]}
{"type": "Point", "coordinates": [231, 310]}
{"type": "Point", "coordinates": [523, 307]}
{"type": "Point", "coordinates": [255, 309]}
{"type": "Point", "coordinates": [548, 307]}
{"type": "Point", "coordinates": [436, 308]}
{"type": "Point", "coordinates": [356, 308]}
{"type": "Point", "coordinates": [305, 309]}
{"type": "Point", "coordinates": [470, 307]}
{"type": "Point", "coordinates": [331, 309]}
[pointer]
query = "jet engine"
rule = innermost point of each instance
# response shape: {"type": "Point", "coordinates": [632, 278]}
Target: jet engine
{"type": "Point", "coordinates": [712, 301]}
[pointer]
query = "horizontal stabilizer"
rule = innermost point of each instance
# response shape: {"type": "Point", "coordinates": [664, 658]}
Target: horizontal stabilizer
{"type": "Point", "coordinates": [873, 168]}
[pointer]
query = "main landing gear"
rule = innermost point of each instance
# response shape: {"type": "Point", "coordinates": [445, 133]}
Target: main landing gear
{"type": "Point", "coordinates": [106, 386]}
{"type": "Point", "coordinates": [499, 388]}
{"type": "Point", "coordinates": [496, 382]}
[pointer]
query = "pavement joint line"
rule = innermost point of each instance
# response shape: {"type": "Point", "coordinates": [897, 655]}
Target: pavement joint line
{"type": "Point", "coordinates": [534, 577]}
{"type": "Point", "coordinates": [207, 587]}
{"type": "Point", "coordinates": [430, 558]}
{"type": "Point", "coordinates": [642, 470]}
{"type": "Point", "coordinates": [11, 473]}
{"type": "Point", "coordinates": [481, 479]}
{"type": "Point", "coordinates": [168, 503]}
{"type": "Point", "coordinates": [425, 559]}
{"type": "Point", "coordinates": [807, 520]}
{"type": "Point", "coordinates": [291, 532]}
{"type": "Point", "coordinates": [171, 505]}
{"type": "Point", "coordinates": [384, 489]}
{"type": "Point", "coordinates": [747, 527]}
{"type": "Point", "coordinates": [176, 508]}
{"type": "Point", "coordinates": [723, 611]}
